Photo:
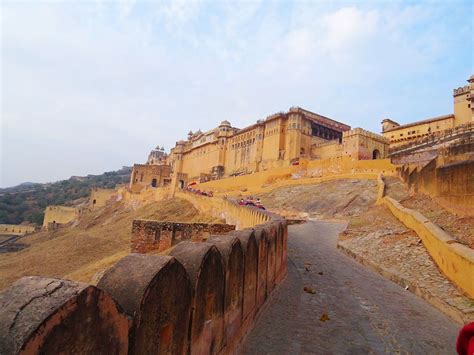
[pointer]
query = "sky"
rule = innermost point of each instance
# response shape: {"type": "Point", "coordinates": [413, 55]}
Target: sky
{"type": "Point", "coordinates": [91, 86]}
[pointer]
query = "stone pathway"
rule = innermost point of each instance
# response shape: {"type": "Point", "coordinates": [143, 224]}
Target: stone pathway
{"type": "Point", "coordinates": [352, 310]}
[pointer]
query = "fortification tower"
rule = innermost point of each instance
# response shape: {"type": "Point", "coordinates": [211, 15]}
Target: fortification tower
{"type": "Point", "coordinates": [293, 134]}
{"type": "Point", "coordinates": [464, 103]}
{"type": "Point", "coordinates": [224, 131]}
{"type": "Point", "coordinates": [177, 159]}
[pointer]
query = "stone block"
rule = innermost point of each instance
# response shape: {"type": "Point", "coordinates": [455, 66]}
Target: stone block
{"type": "Point", "coordinates": [156, 294]}
{"type": "Point", "coordinates": [205, 267]}
{"type": "Point", "coordinates": [40, 315]}
{"type": "Point", "coordinates": [233, 256]}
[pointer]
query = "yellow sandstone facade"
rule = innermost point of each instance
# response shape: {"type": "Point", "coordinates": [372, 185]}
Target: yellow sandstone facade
{"type": "Point", "coordinates": [463, 115]}
{"type": "Point", "coordinates": [56, 216]}
{"type": "Point", "coordinates": [15, 229]}
{"type": "Point", "coordinates": [280, 140]}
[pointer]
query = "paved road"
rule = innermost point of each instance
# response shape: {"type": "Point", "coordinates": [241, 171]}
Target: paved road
{"type": "Point", "coordinates": [367, 313]}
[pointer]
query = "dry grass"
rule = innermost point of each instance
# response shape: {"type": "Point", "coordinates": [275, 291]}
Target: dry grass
{"type": "Point", "coordinates": [100, 239]}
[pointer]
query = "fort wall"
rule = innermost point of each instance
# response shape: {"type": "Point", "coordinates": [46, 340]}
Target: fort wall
{"type": "Point", "coordinates": [55, 216]}
{"type": "Point", "coordinates": [16, 229]}
{"type": "Point", "coordinates": [455, 260]}
{"type": "Point", "coordinates": [308, 172]}
{"type": "Point", "coordinates": [148, 175]}
{"type": "Point", "coordinates": [448, 178]}
{"type": "Point", "coordinates": [203, 298]}
{"type": "Point", "coordinates": [154, 235]}
{"type": "Point", "coordinates": [100, 197]}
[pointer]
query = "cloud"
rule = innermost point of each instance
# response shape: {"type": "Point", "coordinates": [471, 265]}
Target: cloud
{"type": "Point", "coordinates": [92, 86]}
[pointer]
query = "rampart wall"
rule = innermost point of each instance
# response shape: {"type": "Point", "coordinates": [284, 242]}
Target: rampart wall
{"type": "Point", "coordinates": [449, 179]}
{"type": "Point", "coordinates": [100, 197]}
{"type": "Point", "coordinates": [59, 215]}
{"type": "Point", "coordinates": [154, 235]}
{"type": "Point", "coordinates": [455, 260]}
{"type": "Point", "coordinates": [201, 299]}
{"type": "Point", "coordinates": [307, 172]}
{"type": "Point", "coordinates": [16, 229]}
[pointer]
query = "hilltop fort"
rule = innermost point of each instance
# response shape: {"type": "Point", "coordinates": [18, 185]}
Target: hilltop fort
{"type": "Point", "coordinates": [183, 258]}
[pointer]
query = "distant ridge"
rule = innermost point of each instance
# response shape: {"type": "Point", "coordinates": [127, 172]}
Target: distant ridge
{"type": "Point", "coordinates": [26, 202]}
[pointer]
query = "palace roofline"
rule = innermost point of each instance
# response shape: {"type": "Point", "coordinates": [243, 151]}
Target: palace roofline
{"type": "Point", "coordinates": [429, 120]}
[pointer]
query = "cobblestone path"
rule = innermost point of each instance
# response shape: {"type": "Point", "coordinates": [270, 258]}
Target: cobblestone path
{"type": "Point", "coordinates": [367, 313]}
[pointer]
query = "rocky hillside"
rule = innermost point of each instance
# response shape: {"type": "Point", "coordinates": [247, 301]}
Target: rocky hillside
{"type": "Point", "coordinates": [26, 202]}
{"type": "Point", "coordinates": [332, 199]}
{"type": "Point", "coordinates": [99, 240]}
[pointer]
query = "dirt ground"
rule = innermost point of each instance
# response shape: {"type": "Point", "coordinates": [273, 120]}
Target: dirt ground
{"type": "Point", "coordinates": [461, 228]}
{"type": "Point", "coordinates": [333, 199]}
{"type": "Point", "coordinates": [100, 239]}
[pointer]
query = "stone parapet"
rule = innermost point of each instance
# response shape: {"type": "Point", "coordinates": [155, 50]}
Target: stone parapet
{"type": "Point", "coordinates": [202, 299]}
{"type": "Point", "coordinates": [363, 132]}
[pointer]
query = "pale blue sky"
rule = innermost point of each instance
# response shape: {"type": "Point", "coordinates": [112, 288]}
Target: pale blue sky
{"type": "Point", "coordinates": [90, 86]}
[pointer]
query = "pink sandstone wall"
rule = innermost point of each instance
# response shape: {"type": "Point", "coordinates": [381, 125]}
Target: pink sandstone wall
{"type": "Point", "coordinates": [203, 298]}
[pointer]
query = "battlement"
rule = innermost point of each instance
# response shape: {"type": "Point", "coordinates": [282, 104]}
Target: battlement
{"type": "Point", "coordinates": [461, 90]}
{"type": "Point", "coordinates": [16, 229]}
{"type": "Point", "coordinates": [365, 133]}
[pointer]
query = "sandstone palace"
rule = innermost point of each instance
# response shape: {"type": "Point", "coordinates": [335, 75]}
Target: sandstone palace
{"type": "Point", "coordinates": [280, 140]}
{"type": "Point", "coordinates": [291, 138]}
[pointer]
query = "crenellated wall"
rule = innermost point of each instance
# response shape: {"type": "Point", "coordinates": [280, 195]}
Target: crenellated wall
{"type": "Point", "coordinates": [201, 299]}
{"type": "Point", "coordinates": [16, 229]}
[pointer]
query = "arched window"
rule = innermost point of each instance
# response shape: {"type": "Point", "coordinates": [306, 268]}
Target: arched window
{"type": "Point", "coordinates": [153, 183]}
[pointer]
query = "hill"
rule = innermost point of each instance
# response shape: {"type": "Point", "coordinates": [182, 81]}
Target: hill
{"type": "Point", "coordinates": [26, 202]}
{"type": "Point", "coordinates": [100, 239]}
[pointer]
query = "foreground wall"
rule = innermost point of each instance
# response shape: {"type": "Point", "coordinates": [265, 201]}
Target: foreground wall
{"type": "Point", "coordinates": [455, 260]}
{"type": "Point", "coordinates": [201, 299]}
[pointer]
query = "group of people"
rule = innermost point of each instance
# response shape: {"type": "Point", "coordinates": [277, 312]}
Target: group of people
{"type": "Point", "coordinates": [200, 192]}
{"type": "Point", "coordinates": [250, 201]}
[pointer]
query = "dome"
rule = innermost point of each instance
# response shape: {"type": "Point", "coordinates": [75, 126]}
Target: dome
{"type": "Point", "coordinates": [225, 123]}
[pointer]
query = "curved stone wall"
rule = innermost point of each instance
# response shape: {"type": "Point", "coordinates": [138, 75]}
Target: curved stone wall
{"type": "Point", "coordinates": [202, 298]}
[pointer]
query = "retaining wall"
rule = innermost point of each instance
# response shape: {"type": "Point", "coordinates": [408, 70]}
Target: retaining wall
{"type": "Point", "coordinates": [455, 260]}
{"type": "Point", "coordinates": [307, 172]}
{"type": "Point", "coordinates": [201, 299]}
{"type": "Point", "coordinates": [449, 178]}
